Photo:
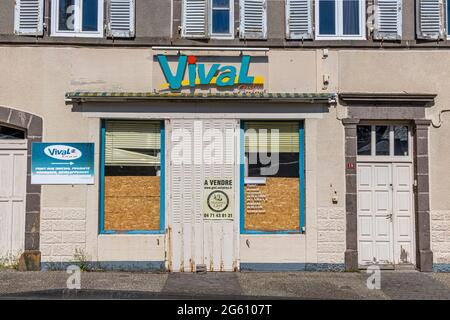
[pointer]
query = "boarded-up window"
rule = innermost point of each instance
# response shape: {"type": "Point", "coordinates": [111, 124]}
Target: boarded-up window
{"type": "Point", "coordinates": [272, 179]}
{"type": "Point", "coordinates": [132, 175]}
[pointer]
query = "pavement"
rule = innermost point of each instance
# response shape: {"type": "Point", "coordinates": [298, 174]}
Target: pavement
{"type": "Point", "coordinates": [240, 285]}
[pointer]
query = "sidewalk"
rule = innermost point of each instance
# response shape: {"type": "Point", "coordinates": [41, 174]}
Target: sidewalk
{"type": "Point", "coordinates": [243, 285]}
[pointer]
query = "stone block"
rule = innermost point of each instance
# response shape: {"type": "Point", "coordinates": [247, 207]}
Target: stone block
{"type": "Point", "coordinates": [74, 213]}
{"type": "Point", "coordinates": [30, 261]}
{"type": "Point", "coordinates": [74, 237]}
{"type": "Point", "coordinates": [51, 237]}
{"type": "Point", "coordinates": [52, 214]}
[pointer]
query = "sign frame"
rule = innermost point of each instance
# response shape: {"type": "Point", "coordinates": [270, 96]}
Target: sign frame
{"type": "Point", "coordinates": [61, 163]}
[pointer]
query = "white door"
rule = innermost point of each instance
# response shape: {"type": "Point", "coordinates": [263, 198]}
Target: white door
{"type": "Point", "coordinates": [385, 213]}
{"type": "Point", "coordinates": [192, 240]}
{"type": "Point", "coordinates": [13, 175]}
{"type": "Point", "coordinates": [374, 210]}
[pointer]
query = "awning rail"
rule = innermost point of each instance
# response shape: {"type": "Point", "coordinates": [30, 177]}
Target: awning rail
{"type": "Point", "coordinates": [85, 96]}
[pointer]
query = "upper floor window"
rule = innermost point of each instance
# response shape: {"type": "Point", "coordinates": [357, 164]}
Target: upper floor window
{"type": "Point", "coordinates": [215, 19]}
{"type": "Point", "coordinates": [340, 19]}
{"type": "Point", "coordinates": [76, 18]}
{"type": "Point", "coordinates": [222, 18]}
{"type": "Point", "coordinates": [73, 18]}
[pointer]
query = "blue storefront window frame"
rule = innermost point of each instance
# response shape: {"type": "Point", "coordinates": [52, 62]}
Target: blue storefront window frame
{"type": "Point", "coordinates": [162, 187]}
{"type": "Point", "coordinates": [301, 177]}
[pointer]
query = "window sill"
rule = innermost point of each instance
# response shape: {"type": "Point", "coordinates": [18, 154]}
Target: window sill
{"type": "Point", "coordinates": [127, 233]}
{"type": "Point", "coordinates": [76, 35]}
{"type": "Point", "coordinates": [222, 37]}
{"type": "Point", "coordinates": [333, 38]}
{"type": "Point", "coordinates": [273, 233]}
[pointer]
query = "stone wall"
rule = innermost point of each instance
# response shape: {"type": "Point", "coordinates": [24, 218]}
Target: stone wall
{"type": "Point", "coordinates": [440, 236]}
{"type": "Point", "coordinates": [330, 235]}
{"type": "Point", "coordinates": [63, 231]}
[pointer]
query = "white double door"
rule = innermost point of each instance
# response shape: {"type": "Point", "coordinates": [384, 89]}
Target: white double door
{"type": "Point", "coordinates": [385, 213]}
{"type": "Point", "coordinates": [200, 149]}
{"type": "Point", "coordinates": [13, 175]}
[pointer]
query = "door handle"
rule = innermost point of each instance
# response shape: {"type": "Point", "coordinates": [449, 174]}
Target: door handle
{"type": "Point", "coordinates": [389, 216]}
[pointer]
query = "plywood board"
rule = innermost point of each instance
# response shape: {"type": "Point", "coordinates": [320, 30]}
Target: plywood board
{"type": "Point", "coordinates": [132, 203]}
{"type": "Point", "coordinates": [273, 206]}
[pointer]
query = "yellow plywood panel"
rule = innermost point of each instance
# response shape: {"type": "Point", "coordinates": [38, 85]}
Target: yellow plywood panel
{"type": "Point", "coordinates": [132, 203]}
{"type": "Point", "coordinates": [274, 206]}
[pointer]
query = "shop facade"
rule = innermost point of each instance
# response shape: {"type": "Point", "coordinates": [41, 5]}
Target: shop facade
{"type": "Point", "coordinates": [220, 158]}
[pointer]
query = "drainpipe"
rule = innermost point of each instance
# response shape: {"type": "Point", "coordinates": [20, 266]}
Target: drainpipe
{"type": "Point", "coordinates": [440, 118]}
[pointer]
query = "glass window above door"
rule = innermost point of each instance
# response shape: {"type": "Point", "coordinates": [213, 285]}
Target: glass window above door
{"type": "Point", "coordinates": [383, 140]}
{"type": "Point", "coordinates": [11, 133]}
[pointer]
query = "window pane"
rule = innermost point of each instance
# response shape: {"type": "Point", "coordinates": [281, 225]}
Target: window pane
{"type": "Point", "coordinates": [221, 3]}
{"type": "Point", "coordinates": [401, 141]}
{"type": "Point", "coordinates": [350, 10]}
{"type": "Point", "coordinates": [11, 133]}
{"type": "Point", "coordinates": [287, 167]}
{"type": "Point", "coordinates": [327, 17]}
{"type": "Point", "coordinates": [364, 140]}
{"type": "Point", "coordinates": [66, 17]}
{"type": "Point", "coordinates": [221, 21]}
{"type": "Point", "coordinates": [382, 140]}
{"type": "Point", "coordinates": [90, 15]}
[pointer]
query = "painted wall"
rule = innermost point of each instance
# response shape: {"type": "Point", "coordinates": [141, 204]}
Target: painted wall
{"type": "Point", "coordinates": [36, 78]}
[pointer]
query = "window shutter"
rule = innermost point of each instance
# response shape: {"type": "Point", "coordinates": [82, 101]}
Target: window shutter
{"type": "Point", "coordinates": [121, 15]}
{"type": "Point", "coordinates": [298, 19]}
{"type": "Point", "coordinates": [132, 143]}
{"type": "Point", "coordinates": [388, 20]}
{"type": "Point", "coordinates": [194, 19]}
{"type": "Point", "coordinates": [29, 17]}
{"type": "Point", "coordinates": [253, 19]}
{"type": "Point", "coordinates": [430, 19]}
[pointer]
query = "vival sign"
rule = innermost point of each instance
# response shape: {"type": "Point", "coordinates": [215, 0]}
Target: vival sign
{"type": "Point", "coordinates": [62, 163]}
{"type": "Point", "coordinates": [199, 75]}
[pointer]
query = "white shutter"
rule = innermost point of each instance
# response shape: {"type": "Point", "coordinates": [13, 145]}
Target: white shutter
{"type": "Point", "coordinates": [29, 17]}
{"type": "Point", "coordinates": [194, 19]}
{"type": "Point", "coordinates": [298, 19]}
{"type": "Point", "coordinates": [388, 20]}
{"type": "Point", "coordinates": [121, 18]}
{"type": "Point", "coordinates": [430, 19]}
{"type": "Point", "coordinates": [253, 19]}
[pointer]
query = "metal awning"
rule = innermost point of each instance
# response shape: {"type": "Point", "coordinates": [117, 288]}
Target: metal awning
{"type": "Point", "coordinates": [86, 96]}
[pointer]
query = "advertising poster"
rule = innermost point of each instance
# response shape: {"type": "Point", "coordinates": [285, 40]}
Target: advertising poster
{"type": "Point", "coordinates": [62, 163]}
{"type": "Point", "coordinates": [218, 198]}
